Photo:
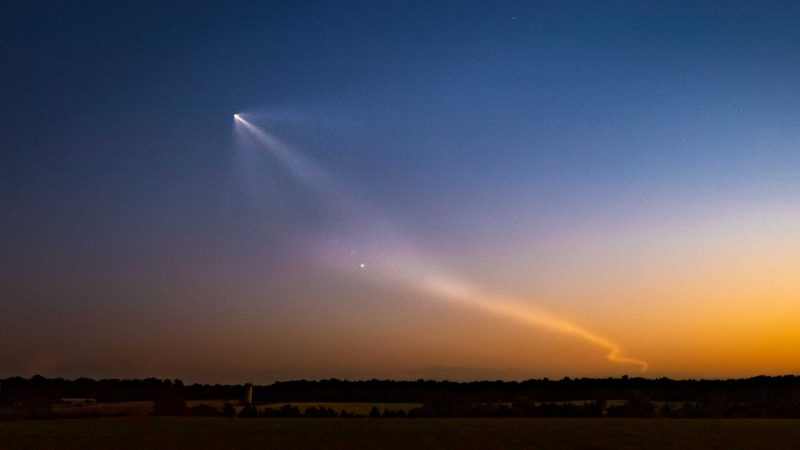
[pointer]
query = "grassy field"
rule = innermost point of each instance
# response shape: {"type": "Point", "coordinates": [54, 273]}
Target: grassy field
{"type": "Point", "coordinates": [190, 433]}
{"type": "Point", "coordinates": [144, 408]}
{"type": "Point", "coordinates": [103, 409]}
{"type": "Point", "coordinates": [132, 409]}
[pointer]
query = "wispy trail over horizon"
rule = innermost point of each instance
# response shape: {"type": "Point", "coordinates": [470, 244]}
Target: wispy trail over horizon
{"type": "Point", "coordinates": [411, 268]}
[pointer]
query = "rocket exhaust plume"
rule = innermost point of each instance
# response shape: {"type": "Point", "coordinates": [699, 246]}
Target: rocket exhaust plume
{"type": "Point", "coordinates": [408, 270]}
{"type": "Point", "coordinates": [459, 292]}
{"type": "Point", "coordinates": [305, 172]}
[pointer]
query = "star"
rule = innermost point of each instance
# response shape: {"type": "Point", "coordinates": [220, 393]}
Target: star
{"type": "Point", "coordinates": [363, 265]}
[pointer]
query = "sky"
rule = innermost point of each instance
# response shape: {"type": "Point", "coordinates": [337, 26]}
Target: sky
{"type": "Point", "coordinates": [449, 190]}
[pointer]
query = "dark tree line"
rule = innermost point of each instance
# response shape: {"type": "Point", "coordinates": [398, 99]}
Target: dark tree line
{"type": "Point", "coordinates": [111, 390]}
{"type": "Point", "coordinates": [585, 397]}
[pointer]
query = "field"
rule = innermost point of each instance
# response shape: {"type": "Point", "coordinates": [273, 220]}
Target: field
{"type": "Point", "coordinates": [188, 433]}
{"type": "Point", "coordinates": [145, 407]}
{"type": "Point", "coordinates": [103, 409]}
{"type": "Point", "coordinates": [351, 407]}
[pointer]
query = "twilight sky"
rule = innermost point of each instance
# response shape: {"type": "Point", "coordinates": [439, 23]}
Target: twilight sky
{"type": "Point", "coordinates": [460, 190]}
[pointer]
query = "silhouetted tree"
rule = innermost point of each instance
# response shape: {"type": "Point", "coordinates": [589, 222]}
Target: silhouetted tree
{"type": "Point", "coordinates": [289, 411]}
{"type": "Point", "coordinates": [203, 410]}
{"type": "Point", "coordinates": [320, 411]}
{"type": "Point", "coordinates": [228, 410]}
{"type": "Point", "coordinates": [248, 412]}
{"type": "Point", "coordinates": [633, 408]}
{"type": "Point", "coordinates": [394, 413]}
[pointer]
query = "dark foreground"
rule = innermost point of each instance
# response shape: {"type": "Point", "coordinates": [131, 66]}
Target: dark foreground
{"type": "Point", "coordinates": [221, 433]}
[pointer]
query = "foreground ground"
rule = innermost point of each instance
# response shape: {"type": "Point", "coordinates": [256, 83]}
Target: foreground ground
{"type": "Point", "coordinates": [158, 432]}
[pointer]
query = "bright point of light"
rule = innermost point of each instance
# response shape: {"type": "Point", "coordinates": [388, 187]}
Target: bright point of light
{"type": "Point", "coordinates": [238, 117]}
{"type": "Point", "coordinates": [363, 265]}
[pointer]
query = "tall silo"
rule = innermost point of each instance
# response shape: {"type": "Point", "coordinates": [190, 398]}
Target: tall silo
{"type": "Point", "coordinates": [248, 394]}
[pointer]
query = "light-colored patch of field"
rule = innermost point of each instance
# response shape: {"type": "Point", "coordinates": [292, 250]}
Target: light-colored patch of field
{"type": "Point", "coordinates": [440, 434]}
{"type": "Point", "coordinates": [579, 402]}
{"type": "Point", "coordinates": [128, 409]}
{"type": "Point", "coordinates": [612, 402]}
{"type": "Point", "coordinates": [103, 409]}
{"type": "Point", "coordinates": [351, 407]}
{"type": "Point", "coordinates": [214, 403]}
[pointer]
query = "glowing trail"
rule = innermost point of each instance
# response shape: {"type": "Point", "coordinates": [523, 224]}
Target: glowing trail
{"type": "Point", "coordinates": [311, 176]}
{"type": "Point", "coordinates": [408, 269]}
{"type": "Point", "coordinates": [305, 172]}
{"type": "Point", "coordinates": [459, 292]}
